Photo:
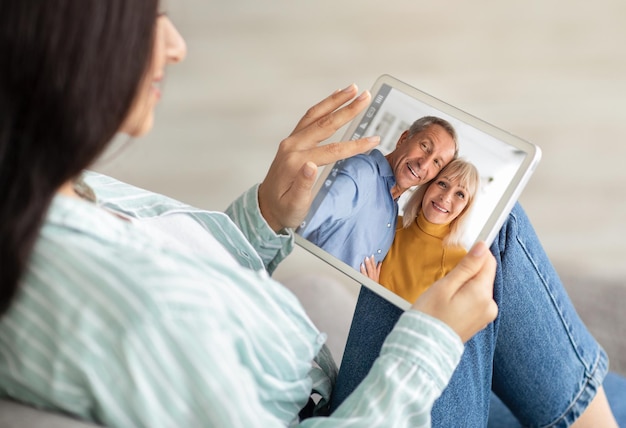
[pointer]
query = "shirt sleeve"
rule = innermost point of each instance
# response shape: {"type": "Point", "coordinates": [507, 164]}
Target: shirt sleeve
{"type": "Point", "coordinates": [182, 371]}
{"type": "Point", "coordinates": [415, 365]}
{"type": "Point", "coordinates": [272, 247]}
{"type": "Point", "coordinates": [185, 371]}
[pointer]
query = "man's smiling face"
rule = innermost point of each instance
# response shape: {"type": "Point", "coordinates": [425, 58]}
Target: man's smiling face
{"type": "Point", "coordinates": [419, 158]}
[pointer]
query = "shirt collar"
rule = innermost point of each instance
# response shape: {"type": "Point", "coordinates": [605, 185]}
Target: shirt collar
{"type": "Point", "coordinates": [88, 218]}
{"type": "Point", "coordinates": [384, 169]}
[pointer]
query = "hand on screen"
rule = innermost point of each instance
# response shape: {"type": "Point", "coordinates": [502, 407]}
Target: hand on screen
{"type": "Point", "coordinates": [285, 193]}
{"type": "Point", "coordinates": [463, 299]}
{"type": "Point", "coordinates": [370, 268]}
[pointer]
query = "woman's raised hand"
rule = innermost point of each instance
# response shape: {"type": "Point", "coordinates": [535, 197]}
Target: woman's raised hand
{"type": "Point", "coordinates": [285, 193]}
{"type": "Point", "coordinates": [463, 299]}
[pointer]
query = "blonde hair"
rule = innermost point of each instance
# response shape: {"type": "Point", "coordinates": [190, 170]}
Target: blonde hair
{"type": "Point", "coordinates": [458, 170]}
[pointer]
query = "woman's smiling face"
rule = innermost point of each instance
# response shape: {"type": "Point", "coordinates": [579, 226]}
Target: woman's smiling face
{"type": "Point", "coordinates": [169, 48]}
{"type": "Point", "coordinates": [444, 200]}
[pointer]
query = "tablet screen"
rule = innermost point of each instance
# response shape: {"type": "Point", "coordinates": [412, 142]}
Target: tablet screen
{"type": "Point", "coordinates": [356, 212]}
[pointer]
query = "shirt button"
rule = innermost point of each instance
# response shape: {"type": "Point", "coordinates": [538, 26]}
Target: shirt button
{"type": "Point", "coordinates": [379, 251]}
{"type": "Point", "coordinates": [388, 224]}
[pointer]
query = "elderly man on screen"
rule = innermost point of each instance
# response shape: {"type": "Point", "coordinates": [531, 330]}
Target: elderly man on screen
{"type": "Point", "coordinates": [355, 216]}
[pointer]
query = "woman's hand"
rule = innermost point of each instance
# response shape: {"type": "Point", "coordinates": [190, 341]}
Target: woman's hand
{"type": "Point", "coordinates": [285, 193]}
{"type": "Point", "coordinates": [463, 299]}
{"type": "Point", "coordinates": [370, 268]}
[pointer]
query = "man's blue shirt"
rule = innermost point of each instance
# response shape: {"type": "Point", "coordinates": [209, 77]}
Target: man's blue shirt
{"type": "Point", "coordinates": [354, 215]}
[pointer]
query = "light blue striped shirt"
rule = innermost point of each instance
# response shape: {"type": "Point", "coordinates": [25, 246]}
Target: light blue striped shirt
{"type": "Point", "coordinates": [117, 327]}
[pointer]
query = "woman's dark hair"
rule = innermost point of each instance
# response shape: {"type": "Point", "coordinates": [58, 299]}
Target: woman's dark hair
{"type": "Point", "coordinates": [70, 72]}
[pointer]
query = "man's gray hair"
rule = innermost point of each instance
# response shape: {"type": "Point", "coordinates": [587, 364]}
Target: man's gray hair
{"type": "Point", "coordinates": [424, 122]}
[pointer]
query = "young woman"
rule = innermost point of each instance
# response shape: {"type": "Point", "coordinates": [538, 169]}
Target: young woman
{"type": "Point", "coordinates": [109, 316]}
{"type": "Point", "coordinates": [427, 243]}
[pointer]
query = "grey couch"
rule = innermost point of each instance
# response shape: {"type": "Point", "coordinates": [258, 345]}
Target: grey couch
{"type": "Point", "coordinates": [598, 302]}
{"type": "Point", "coordinates": [14, 415]}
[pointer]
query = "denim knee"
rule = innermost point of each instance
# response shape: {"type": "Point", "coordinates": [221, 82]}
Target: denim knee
{"type": "Point", "coordinates": [547, 366]}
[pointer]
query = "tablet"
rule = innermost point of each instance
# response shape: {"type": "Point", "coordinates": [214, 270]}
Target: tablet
{"type": "Point", "coordinates": [504, 163]}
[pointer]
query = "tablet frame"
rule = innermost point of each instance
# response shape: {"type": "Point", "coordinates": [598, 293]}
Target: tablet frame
{"type": "Point", "coordinates": [380, 90]}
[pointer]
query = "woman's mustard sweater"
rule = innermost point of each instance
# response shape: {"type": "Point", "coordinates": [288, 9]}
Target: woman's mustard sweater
{"type": "Point", "coordinates": [418, 258]}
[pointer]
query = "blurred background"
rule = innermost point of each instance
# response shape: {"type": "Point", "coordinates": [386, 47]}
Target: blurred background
{"type": "Point", "coordinates": [552, 72]}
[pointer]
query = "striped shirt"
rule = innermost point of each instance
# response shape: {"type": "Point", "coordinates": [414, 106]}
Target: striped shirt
{"type": "Point", "coordinates": [117, 326]}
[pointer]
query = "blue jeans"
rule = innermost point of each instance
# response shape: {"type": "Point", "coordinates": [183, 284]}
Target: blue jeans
{"type": "Point", "coordinates": [537, 356]}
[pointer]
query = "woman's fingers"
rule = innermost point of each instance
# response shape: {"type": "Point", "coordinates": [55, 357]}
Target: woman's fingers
{"type": "Point", "coordinates": [329, 153]}
{"type": "Point", "coordinates": [463, 299]}
{"type": "Point", "coordinates": [363, 269]}
{"type": "Point", "coordinates": [326, 106]}
{"type": "Point", "coordinates": [285, 193]}
{"type": "Point", "coordinates": [314, 127]}
{"type": "Point", "coordinates": [370, 268]}
{"type": "Point", "coordinates": [470, 266]}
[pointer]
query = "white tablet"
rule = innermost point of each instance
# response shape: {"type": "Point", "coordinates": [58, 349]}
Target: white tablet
{"type": "Point", "coordinates": [504, 163]}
